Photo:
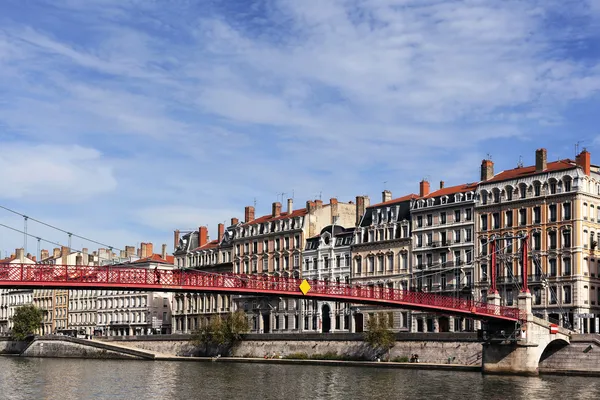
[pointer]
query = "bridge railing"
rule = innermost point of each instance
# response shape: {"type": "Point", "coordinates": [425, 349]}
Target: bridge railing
{"type": "Point", "coordinates": [118, 275]}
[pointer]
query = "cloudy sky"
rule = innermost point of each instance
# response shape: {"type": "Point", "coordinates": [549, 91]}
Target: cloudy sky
{"type": "Point", "coordinates": [122, 120]}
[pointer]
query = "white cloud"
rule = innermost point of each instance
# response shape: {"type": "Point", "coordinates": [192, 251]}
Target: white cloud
{"type": "Point", "coordinates": [54, 173]}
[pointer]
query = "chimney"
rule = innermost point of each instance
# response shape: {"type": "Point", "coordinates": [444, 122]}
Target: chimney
{"type": "Point", "coordinates": [176, 234]}
{"type": "Point", "coordinates": [129, 251]}
{"type": "Point", "coordinates": [202, 236]}
{"type": "Point", "coordinates": [20, 254]}
{"type": "Point", "coordinates": [290, 207]}
{"type": "Point", "coordinates": [540, 160]}
{"type": "Point", "coordinates": [318, 203]}
{"type": "Point", "coordinates": [142, 252]}
{"type": "Point", "coordinates": [149, 249]}
{"type": "Point", "coordinates": [122, 254]}
{"type": "Point", "coordinates": [441, 184]}
{"type": "Point", "coordinates": [423, 188]}
{"type": "Point", "coordinates": [249, 214]}
{"type": "Point", "coordinates": [34, 258]}
{"type": "Point", "coordinates": [163, 253]}
{"type": "Point", "coordinates": [220, 232]}
{"type": "Point", "coordinates": [28, 256]}
{"type": "Point", "coordinates": [487, 170]}
{"type": "Point", "coordinates": [64, 252]}
{"type": "Point", "coordinates": [79, 259]}
{"type": "Point", "coordinates": [386, 195]}
{"type": "Point", "coordinates": [334, 210]}
{"type": "Point", "coordinates": [584, 161]}
{"type": "Point", "coordinates": [44, 254]}
{"type": "Point", "coordinates": [362, 202]}
{"type": "Point", "coordinates": [56, 252]}
{"type": "Point", "coordinates": [276, 209]}
{"type": "Point", "coordinates": [235, 221]}
{"type": "Point", "coordinates": [84, 250]}
{"type": "Point", "coordinates": [310, 206]}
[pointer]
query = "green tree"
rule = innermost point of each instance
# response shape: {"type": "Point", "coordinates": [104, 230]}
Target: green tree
{"type": "Point", "coordinates": [379, 336]}
{"type": "Point", "coordinates": [222, 331]}
{"type": "Point", "coordinates": [26, 321]}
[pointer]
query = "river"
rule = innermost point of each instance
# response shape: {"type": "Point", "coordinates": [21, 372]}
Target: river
{"type": "Point", "coordinates": [76, 379]}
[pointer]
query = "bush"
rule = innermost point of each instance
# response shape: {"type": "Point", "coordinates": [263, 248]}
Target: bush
{"type": "Point", "coordinates": [403, 359]}
{"type": "Point", "coordinates": [378, 335]}
{"type": "Point", "coordinates": [222, 331]}
{"type": "Point", "coordinates": [297, 356]}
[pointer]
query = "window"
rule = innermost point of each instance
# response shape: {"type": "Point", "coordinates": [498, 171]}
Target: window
{"type": "Point", "coordinates": [359, 265]}
{"type": "Point", "coordinates": [566, 266]}
{"type": "Point", "coordinates": [443, 258]}
{"type": "Point", "coordinates": [552, 239]}
{"type": "Point", "coordinates": [468, 235]}
{"type": "Point", "coordinates": [484, 222]}
{"type": "Point", "coordinates": [380, 263]}
{"type": "Point", "coordinates": [523, 191]}
{"type": "Point", "coordinates": [419, 261]}
{"type": "Point", "coordinates": [265, 246]}
{"type": "Point", "coordinates": [484, 247]}
{"type": "Point", "coordinates": [457, 260]}
{"type": "Point", "coordinates": [429, 219]}
{"type": "Point", "coordinates": [567, 185]}
{"type": "Point", "coordinates": [429, 260]}
{"type": "Point", "coordinates": [496, 196]}
{"type": "Point", "coordinates": [509, 193]}
{"type": "Point", "coordinates": [419, 240]}
{"type": "Point", "coordinates": [552, 266]}
{"type": "Point", "coordinates": [553, 295]}
{"type": "Point", "coordinates": [457, 236]}
{"type": "Point", "coordinates": [566, 238]}
{"type": "Point", "coordinates": [537, 189]}
{"type": "Point", "coordinates": [287, 242]}
{"type": "Point", "coordinates": [468, 214]}
{"type": "Point", "coordinates": [509, 218]}
{"type": "Point", "coordinates": [523, 216]}
{"type": "Point", "coordinates": [457, 216]}
{"type": "Point", "coordinates": [509, 297]}
{"type": "Point", "coordinates": [484, 272]}
{"type": "Point", "coordinates": [537, 241]}
{"type": "Point", "coordinates": [566, 211]}
{"type": "Point", "coordinates": [495, 220]}
{"type": "Point", "coordinates": [585, 211]}
{"type": "Point", "coordinates": [347, 260]}
{"type": "Point", "coordinates": [442, 218]}
{"type": "Point", "coordinates": [567, 294]}
{"type": "Point", "coordinates": [419, 222]}
{"type": "Point", "coordinates": [553, 187]}
{"type": "Point", "coordinates": [552, 212]}
{"type": "Point", "coordinates": [537, 215]}
{"type": "Point", "coordinates": [484, 197]}
{"type": "Point", "coordinates": [537, 296]}
{"type": "Point", "coordinates": [390, 262]}
{"type": "Point", "coordinates": [429, 239]}
{"type": "Point", "coordinates": [326, 262]}
{"type": "Point", "coordinates": [371, 264]}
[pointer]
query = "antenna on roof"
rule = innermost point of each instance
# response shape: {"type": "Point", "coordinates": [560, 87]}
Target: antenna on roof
{"type": "Point", "coordinates": [385, 185]}
{"type": "Point", "coordinates": [577, 147]}
{"type": "Point", "coordinates": [282, 194]}
{"type": "Point", "coordinates": [520, 163]}
{"type": "Point", "coordinates": [320, 195]}
{"type": "Point", "coordinates": [293, 196]}
{"type": "Point", "coordinates": [255, 202]}
{"type": "Point", "coordinates": [489, 156]}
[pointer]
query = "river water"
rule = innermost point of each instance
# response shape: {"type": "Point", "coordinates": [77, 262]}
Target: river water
{"type": "Point", "coordinates": [74, 379]}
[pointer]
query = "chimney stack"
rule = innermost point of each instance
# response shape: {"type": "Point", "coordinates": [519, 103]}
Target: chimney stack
{"type": "Point", "coordinates": [423, 188]}
{"type": "Point", "coordinates": [129, 251]}
{"type": "Point", "coordinates": [20, 254]}
{"type": "Point", "coordinates": [163, 253]}
{"type": "Point", "coordinates": [84, 250]}
{"type": "Point", "coordinates": [310, 206]}
{"type": "Point", "coordinates": [386, 195]}
{"type": "Point", "coordinates": [78, 259]}
{"type": "Point", "coordinates": [176, 234]}
{"type": "Point", "coordinates": [44, 254]}
{"type": "Point", "coordinates": [290, 207]}
{"type": "Point", "coordinates": [220, 232]}
{"type": "Point", "coordinates": [540, 160]}
{"type": "Point", "coordinates": [487, 170]}
{"type": "Point", "coordinates": [584, 161]}
{"type": "Point", "coordinates": [318, 203]}
{"type": "Point", "coordinates": [276, 209]}
{"type": "Point", "coordinates": [56, 252]}
{"type": "Point", "coordinates": [362, 202]}
{"type": "Point", "coordinates": [64, 252]}
{"type": "Point", "coordinates": [202, 235]}
{"type": "Point", "coordinates": [441, 184]}
{"type": "Point", "coordinates": [249, 214]}
{"type": "Point", "coordinates": [234, 221]}
{"type": "Point", "coordinates": [334, 210]}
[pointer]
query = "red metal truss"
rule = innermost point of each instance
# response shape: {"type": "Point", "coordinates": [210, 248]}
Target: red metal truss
{"type": "Point", "coordinates": [132, 278]}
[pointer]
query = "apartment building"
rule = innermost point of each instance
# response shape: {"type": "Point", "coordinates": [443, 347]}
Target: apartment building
{"type": "Point", "coordinates": [195, 250]}
{"type": "Point", "coordinates": [443, 250]}
{"type": "Point", "coordinates": [10, 299]}
{"type": "Point", "coordinates": [381, 254]}
{"type": "Point", "coordinates": [327, 257]}
{"type": "Point", "coordinates": [556, 205]}
{"type": "Point", "coordinates": [272, 245]}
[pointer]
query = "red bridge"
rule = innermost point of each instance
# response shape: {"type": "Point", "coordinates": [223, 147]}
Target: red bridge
{"type": "Point", "coordinates": [38, 276]}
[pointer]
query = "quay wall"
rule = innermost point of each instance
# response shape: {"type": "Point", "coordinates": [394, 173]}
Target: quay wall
{"type": "Point", "coordinates": [9, 346]}
{"type": "Point", "coordinates": [581, 357]}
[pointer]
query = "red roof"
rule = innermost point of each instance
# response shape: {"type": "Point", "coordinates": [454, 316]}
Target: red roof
{"type": "Point", "coordinates": [156, 258]}
{"type": "Point", "coordinates": [210, 245]}
{"type": "Point", "coordinates": [411, 196]}
{"type": "Point", "coordinates": [467, 187]}
{"type": "Point", "coordinates": [7, 260]}
{"type": "Point", "coordinates": [521, 172]}
{"type": "Point", "coordinates": [284, 215]}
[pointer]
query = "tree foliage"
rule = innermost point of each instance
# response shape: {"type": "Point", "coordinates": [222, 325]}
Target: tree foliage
{"type": "Point", "coordinates": [378, 335]}
{"type": "Point", "coordinates": [26, 321]}
{"type": "Point", "coordinates": [223, 330]}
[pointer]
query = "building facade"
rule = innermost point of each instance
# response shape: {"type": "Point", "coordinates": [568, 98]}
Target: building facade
{"type": "Point", "coordinates": [381, 255]}
{"type": "Point", "coordinates": [10, 299]}
{"type": "Point", "coordinates": [443, 234]}
{"type": "Point", "coordinates": [554, 204]}
{"type": "Point", "coordinates": [327, 257]}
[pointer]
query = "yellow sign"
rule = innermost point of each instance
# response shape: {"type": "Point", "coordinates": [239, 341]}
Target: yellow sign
{"type": "Point", "coordinates": [304, 287]}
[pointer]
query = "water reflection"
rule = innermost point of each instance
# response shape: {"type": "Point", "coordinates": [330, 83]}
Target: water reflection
{"type": "Point", "coordinates": [69, 379]}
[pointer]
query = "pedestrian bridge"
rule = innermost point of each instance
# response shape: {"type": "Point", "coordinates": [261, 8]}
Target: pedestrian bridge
{"type": "Point", "coordinates": [136, 278]}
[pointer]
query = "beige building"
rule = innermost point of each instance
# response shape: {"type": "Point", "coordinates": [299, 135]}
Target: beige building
{"type": "Point", "coordinates": [381, 254]}
{"type": "Point", "coordinates": [272, 245]}
{"type": "Point", "coordinates": [442, 250]}
{"type": "Point", "coordinates": [556, 204]}
{"type": "Point", "coordinates": [10, 299]}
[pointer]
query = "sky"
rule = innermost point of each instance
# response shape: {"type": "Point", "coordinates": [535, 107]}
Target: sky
{"type": "Point", "coordinates": [122, 120]}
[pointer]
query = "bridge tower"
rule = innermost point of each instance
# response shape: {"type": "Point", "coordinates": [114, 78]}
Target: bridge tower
{"type": "Point", "coordinates": [518, 349]}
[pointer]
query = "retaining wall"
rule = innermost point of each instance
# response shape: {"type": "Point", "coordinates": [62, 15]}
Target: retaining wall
{"type": "Point", "coordinates": [8, 346]}
{"type": "Point", "coordinates": [581, 357]}
{"type": "Point", "coordinates": [65, 347]}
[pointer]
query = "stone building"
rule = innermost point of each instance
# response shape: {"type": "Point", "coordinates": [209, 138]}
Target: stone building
{"type": "Point", "coordinates": [556, 204]}
{"type": "Point", "coordinates": [381, 254]}
{"type": "Point", "coordinates": [272, 245]}
{"type": "Point", "coordinates": [10, 299]}
{"type": "Point", "coordinates": [443, 250]}
{"type": "Point", "coordinates": [327, 257]}
{"type": "Point", "coordinates": [195, 250]}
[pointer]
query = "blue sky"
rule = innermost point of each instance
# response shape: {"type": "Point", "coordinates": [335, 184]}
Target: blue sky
{"type": "Point", "coordinates": [122, 120]}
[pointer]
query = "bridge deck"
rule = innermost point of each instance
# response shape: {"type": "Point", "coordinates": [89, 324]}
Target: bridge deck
{"type": "Point", "coordinates": [137, 278]}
